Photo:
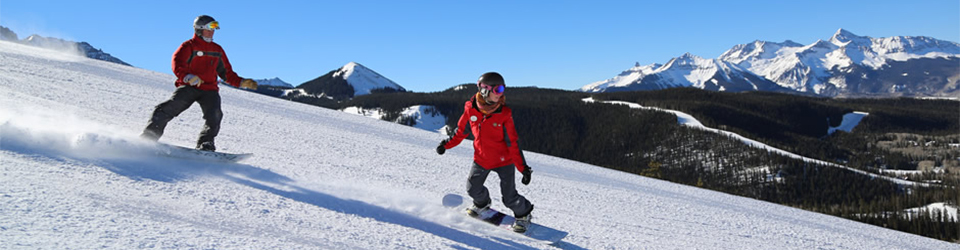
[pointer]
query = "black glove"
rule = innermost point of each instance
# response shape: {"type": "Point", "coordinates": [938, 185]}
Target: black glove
{"type": "Point", "coordinates": [440, 148]}
{"type": "Point", "coordinates": [526, 175]}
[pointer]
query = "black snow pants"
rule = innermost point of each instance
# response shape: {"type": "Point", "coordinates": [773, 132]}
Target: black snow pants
{"type": "Point", "coordinates": [181, 100]}
{"type": "Point", "coordinates": [508, 189]}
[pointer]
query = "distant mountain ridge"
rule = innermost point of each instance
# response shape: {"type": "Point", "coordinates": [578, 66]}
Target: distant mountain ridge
{"type": "Point", "coordinates": [351, 80]}
{"type": "Point", "coordinates": [274, 82]}
{"type": "Point", "coordinates": [844, 65]}
{"type": "Point", "coordinates": [82, 48]}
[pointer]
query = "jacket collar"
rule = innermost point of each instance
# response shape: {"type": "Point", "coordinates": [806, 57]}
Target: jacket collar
{"type": "Point", "coordinates": [474, 100]}
{"type": "Point", "coordinates": [201, 38]}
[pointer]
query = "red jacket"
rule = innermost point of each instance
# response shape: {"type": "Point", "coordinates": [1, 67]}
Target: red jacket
{"type": "Point", "coordinates": [206, 60]}
{"type": "Point", "coordinates": [495, 142]}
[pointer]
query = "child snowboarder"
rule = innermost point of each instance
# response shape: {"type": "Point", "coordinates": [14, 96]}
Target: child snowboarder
{"type": "Point", "coordinates": [197, 64]}
{"type": "Point", "coordinates": [495, 148]}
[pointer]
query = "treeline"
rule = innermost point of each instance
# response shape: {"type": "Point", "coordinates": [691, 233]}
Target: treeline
{"type": "Point", "coordinates": [712, 161]}
{"type": "Point", "coordinates": [906, 115]}
{"type": "Point", "coordinates": [553, 122]}
{"type": "Point", "coordinates": [799, 124]}
{"type": "Point", "coordinates": [650, 143]}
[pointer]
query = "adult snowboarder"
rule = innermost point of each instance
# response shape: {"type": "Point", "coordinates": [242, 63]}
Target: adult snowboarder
{"type": "Point", "coordinates": [495, 148]}
{"type": "Point", "coordinates": [197, 63]}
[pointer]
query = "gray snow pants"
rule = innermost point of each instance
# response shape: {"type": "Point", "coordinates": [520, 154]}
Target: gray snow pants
{"type": "Point", "coordinates": [181, 100]}
{"type": "Point", "coordinates": [508, 189]}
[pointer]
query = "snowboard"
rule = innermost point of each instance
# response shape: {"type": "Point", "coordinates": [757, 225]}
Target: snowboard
{"type": "Point", "coordinates": [199, 155]}
{"type": "Point", "coordinates": [492, 216]}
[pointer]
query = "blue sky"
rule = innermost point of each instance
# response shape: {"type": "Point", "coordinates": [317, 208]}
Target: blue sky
{"type": "Point", "coordinates": [431, 45]}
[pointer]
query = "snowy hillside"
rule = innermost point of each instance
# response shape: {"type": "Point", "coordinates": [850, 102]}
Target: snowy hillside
{"type": "Point", "coordinates": [322, 179]}
{"type": "Point", "coordinates": [419, 116]}
{"type": "Point", "coordinates": [849, 121]}
{"type": "Point", "coordinates": [844, 64]}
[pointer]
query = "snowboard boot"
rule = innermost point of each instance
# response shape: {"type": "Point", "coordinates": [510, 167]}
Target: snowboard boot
{"type": "Point", "coordinates": [475, 211]}
{"type": "Point", "coordinates": [206, 146]}
{"type": "Point", "coordinates": [151, 134]}
{"type": "Point", "coordinates": [522, 223]}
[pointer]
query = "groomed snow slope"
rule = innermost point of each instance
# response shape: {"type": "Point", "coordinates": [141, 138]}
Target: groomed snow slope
{"type": "Point", "coordinates": [321, 179]}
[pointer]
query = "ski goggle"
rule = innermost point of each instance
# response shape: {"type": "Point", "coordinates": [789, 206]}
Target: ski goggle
{"type": "Point", "coordinates": [495, 89]}
{"type": "Point", "coordinates": [209, 26]}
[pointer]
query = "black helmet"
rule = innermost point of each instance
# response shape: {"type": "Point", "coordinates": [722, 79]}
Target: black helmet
{"type": "Point", "coordinates": [492, 79]}
{"type": "Point", "coordinates": [205, 22]}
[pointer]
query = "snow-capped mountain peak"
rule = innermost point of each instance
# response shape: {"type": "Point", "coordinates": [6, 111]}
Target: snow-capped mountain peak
{"type": "Point", "coordinates": [843, 37]}
{"type": "Point", "coordinates": [351, 80]}
{"type": "Point", "coordinates": [757, 50]}
{"type": "Point", "coordinates": [365, 80]}
{"type": "Point", "coordinates": [624, 79]}
{"type": "Point", "coordinates": [840, 65]}
{"type": "Point", "coordinates": [688, 70]}
{"type": "Point", "coordinates": [902, 48]}
{"type": "Point", "coordinates": [820, 45]}
{"type": "Point", "coordinates": [688, 58]}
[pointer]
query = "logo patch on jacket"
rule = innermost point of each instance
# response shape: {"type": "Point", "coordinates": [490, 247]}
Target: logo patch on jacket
{"type": "Point", "coordinates": [473, 118]}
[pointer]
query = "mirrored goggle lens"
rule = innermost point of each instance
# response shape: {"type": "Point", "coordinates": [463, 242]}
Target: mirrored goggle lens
{"type": "Point", "coordinates": [210, 26]}
{"type": "Point", "coordinates": [498, 89]}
